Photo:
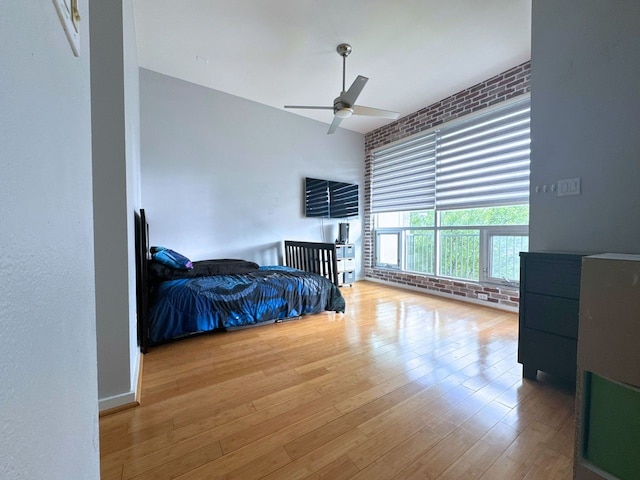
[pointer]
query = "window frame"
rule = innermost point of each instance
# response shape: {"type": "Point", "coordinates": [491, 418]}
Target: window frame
{"type": "Point", "coordinates": [404, 249]}
{"type": "Point", "coordinates": [485, 234]}
{"type": "Point", "coordinates": [400, 261]}
{"type": "Point", "coordinates": [497, 231]}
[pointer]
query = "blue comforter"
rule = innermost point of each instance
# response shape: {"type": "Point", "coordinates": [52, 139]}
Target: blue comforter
{"type": "Point", "coordinates": [190, 305]}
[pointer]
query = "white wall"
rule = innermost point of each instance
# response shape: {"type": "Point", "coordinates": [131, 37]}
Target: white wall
{"type": "Point", "coordinates": [585, 100]}
{"type": "Point", "coordinates": [48, 390]}
{"type": "Point", "coordinates": [116, 167]}
{"type": "Point", "coordinates": [222, 177]}
{"type": "Point", "coordinates": [132, 145]}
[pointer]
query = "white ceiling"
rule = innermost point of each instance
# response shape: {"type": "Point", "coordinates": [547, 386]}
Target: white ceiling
{"type": "Point", "coordinates": [277, 52]}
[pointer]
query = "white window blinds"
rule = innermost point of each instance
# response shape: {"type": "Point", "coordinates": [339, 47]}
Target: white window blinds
{"type": "Point", "coordinates": [477, 162]}
{"type": "Point", "coordinates": [485, 161]}
{"type": "Point", "coordinates": [403, 176]}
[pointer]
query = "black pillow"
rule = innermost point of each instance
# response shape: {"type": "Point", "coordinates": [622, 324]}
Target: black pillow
{"type": "Point", "coordinates": [203, 268]}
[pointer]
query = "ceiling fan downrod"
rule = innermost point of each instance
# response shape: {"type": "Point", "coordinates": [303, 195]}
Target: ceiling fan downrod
{"type": "Point", "coordinates": [344, 49]}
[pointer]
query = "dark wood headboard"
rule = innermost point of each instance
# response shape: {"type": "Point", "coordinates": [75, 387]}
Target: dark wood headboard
{"type": "Point", "coordinates": [313, 257]}
{"type": "Point", "coordinates": [142, 279]}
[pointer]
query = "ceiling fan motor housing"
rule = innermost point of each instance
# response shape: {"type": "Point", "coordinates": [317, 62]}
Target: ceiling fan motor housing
{"type": "Point", "coordinates": [338, 104]}
{"type": "Point", "coordinates": [344, 49]}
{"type": "Point", "coordinates": [342, 109]}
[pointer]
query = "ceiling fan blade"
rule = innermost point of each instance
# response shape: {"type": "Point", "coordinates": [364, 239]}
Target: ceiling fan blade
{"type": "Point", "coordinates": [334, 125]}
{"type": "Point", "coordinates": [374, 112]}
{"type": "Point", "coordinates": [356, 87]}
{"type": "Point", "coordinates": [308, 107]}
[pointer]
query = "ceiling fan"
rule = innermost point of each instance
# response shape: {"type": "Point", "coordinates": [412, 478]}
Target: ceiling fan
{"type": "Point", "coordinates": [344, 105]}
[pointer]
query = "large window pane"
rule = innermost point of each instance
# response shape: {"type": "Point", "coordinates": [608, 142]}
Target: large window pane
{"type": "Point", "coordinates": [422, 219]}
{"type": "Point", "coordinates": [460, 254]}
{"type": "Point", "coordinates": [388, 249]}
{"type": "Point", "coordinates": [405, 219]}
{"type": "Point", "coordinates": [505, 256]}
{"type": "Point", "coordinates": [420, 251]}
{"type": "Point", "coordinates": [507, 215]}
{"type": "Point", "coordinates": [390, 219]}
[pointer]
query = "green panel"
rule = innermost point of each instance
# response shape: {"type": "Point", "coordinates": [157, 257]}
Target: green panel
{"type": "Point", "coordinates": [613, 428]}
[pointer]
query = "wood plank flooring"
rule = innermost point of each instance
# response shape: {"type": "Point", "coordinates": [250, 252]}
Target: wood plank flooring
{"type": "Point", "coordinates": [402, 386]}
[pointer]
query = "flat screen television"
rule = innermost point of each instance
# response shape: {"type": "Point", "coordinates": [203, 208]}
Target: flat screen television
{"type": "Point", "coordinates": [329, 199]}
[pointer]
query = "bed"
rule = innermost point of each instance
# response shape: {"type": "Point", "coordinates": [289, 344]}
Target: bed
{"type": "Point", "coordinates": [223, 294]}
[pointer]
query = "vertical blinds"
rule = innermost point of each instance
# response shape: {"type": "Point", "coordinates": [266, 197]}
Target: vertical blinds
{"type": "Point", "coordinates": [483, 161]}
{"type": "Point", "coordinates": [403, 176]}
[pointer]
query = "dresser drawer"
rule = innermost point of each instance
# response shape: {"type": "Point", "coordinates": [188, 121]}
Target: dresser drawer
{"type": "Point", "coordinates": [547, 352]}
{"type": "Point", "coordinates": [557, 277]}
{"type": "Point", "coordinates": [551, 314]}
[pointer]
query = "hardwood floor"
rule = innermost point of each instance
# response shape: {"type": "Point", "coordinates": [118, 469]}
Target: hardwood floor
{"type": "Point", "coordinates": [402, 386]}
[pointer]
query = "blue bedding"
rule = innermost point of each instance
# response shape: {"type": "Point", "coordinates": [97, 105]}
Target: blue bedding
{"type": "Point", "coordinates": [189, 305]}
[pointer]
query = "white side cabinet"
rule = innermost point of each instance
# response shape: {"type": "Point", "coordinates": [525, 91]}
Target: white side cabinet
{"type": "Point", "coordinates": [346, 257]}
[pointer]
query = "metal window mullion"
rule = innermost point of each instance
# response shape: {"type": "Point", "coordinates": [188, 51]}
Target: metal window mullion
{"type": "Point", "coordinates": [401, 243]}
{"type": "Point", "coordinates": [437, 246]}
{"type": "Point", "coordinates": [485, 254]}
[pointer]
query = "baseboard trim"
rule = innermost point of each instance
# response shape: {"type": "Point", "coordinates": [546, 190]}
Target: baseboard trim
{"type": "Point", "coordinates": [119, 408]}
{"type": "Point", "coordinates": [123, 401]}
{"type": "Point", "coordinates": [426, 291]}
{"type": "Point", "coordinates": [139, 380]}
{"type": "Point", "coordinates": [117, 403]}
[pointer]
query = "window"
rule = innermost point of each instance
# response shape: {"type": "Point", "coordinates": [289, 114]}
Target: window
{"type": "Point", "coordinates": [503, 263]}
{"type": "Point", "coordinates": [454, 202]}
{"type": "Point", "coordinates": [478, 245]}
{"type": "Point", "coordinates": [388, 248]}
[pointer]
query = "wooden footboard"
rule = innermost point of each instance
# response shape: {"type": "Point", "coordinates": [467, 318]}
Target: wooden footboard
{"type": "Point", "coordinates": [313, 257]}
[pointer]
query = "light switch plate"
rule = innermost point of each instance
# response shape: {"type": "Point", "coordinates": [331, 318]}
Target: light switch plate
{"type": "Point", "coordinates": [570, 186]}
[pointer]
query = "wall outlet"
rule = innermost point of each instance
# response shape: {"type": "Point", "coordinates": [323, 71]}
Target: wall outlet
{"type": "Point", "coordinates": [483, 296]}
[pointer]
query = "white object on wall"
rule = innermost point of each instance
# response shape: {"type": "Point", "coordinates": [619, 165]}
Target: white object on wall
{"type": "Point", "coordinates": [69, 18]}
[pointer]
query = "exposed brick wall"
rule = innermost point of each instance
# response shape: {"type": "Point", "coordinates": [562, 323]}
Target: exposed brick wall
{"type": "Point", "coordinates": [505, 86]}
{"type": "Point", "coordinates": [497, 296]}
